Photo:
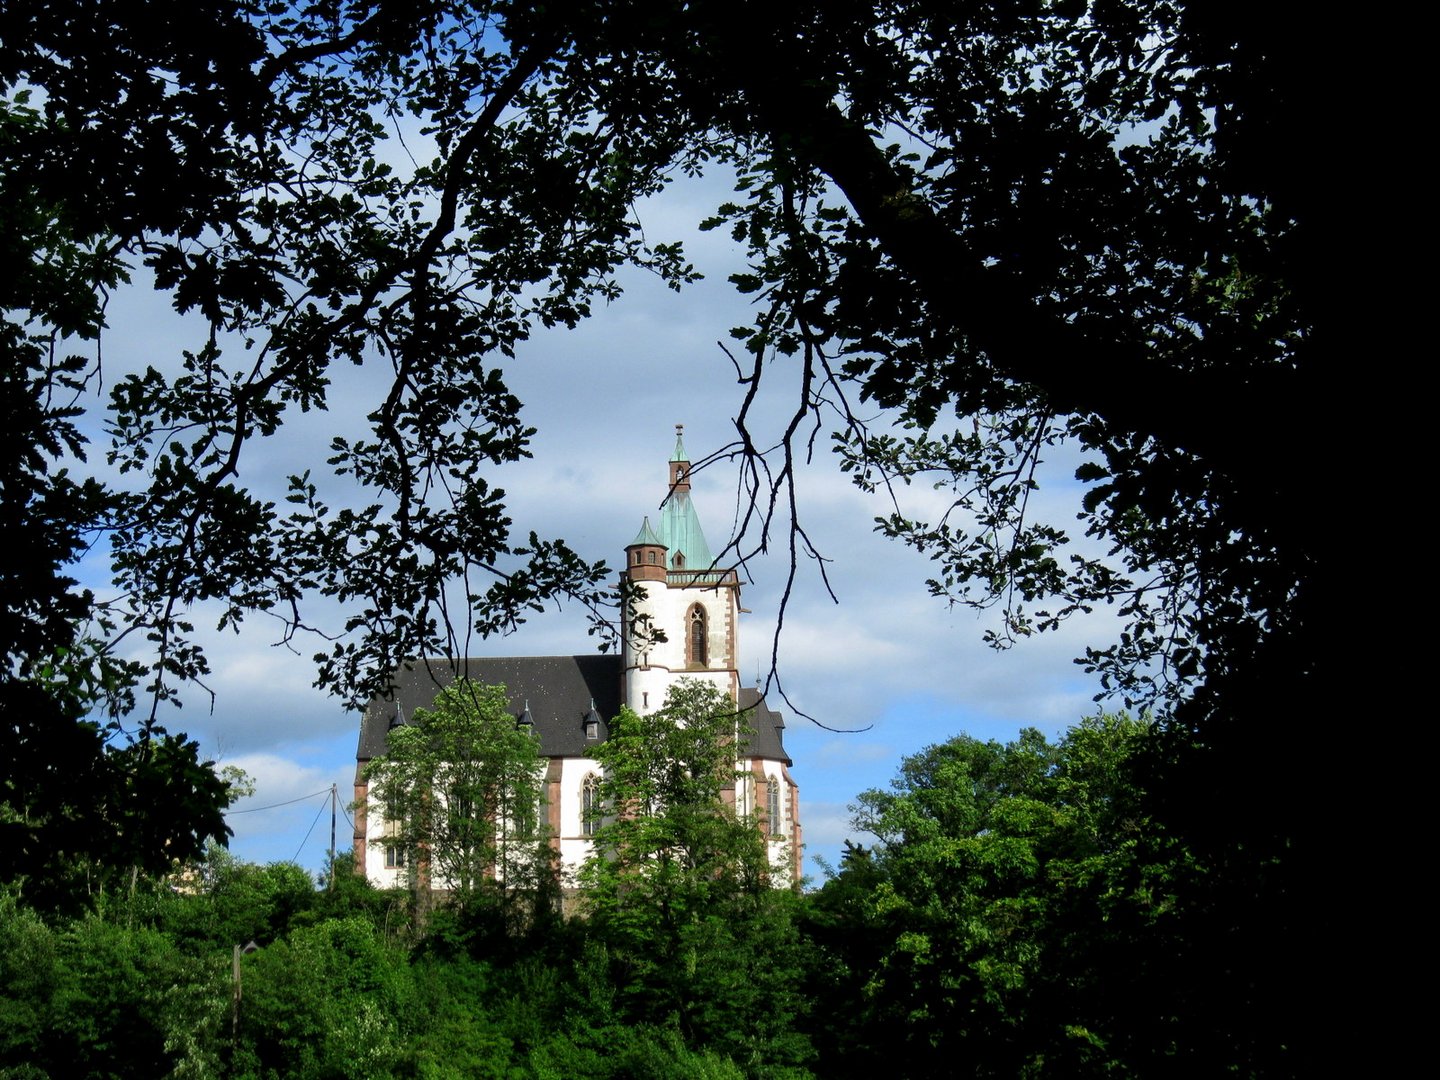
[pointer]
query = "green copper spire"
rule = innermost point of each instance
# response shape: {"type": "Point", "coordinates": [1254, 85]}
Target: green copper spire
{"type": "Point", "coordinates": [681, 533]}
{"type": "Point", "coordinates": [647, 535]}
{"type": "Point", "coordinates": [679, 454]}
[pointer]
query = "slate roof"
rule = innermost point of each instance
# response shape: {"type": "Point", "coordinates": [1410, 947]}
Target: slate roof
{"type": "Point", "coordinates": [557, 690]}
{"type": "Point", "coordinates": [767, 740]}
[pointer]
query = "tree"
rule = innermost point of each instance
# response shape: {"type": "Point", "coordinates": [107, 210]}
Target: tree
{"type": "Point", "coordinates": [93, 997]}
{"type": "Point", "coordinates": [80, 792]}
{"type": "Point", "coordinates": [329, 999]}
{"type": "Point", "coordinates": [1023, 912]}
{"type": "Point", "coordinates": [1103, 191]}
{"type": "Point", "coordinates": [678, 889]}
{"type": "Point", "coordinates": [1014, 225]}
{"type": "Point", "coordinates": [460, 789]}
{"type": "Point", "coordinates": [85, 803]}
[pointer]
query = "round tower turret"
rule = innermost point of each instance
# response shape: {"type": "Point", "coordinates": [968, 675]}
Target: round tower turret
{"type": "Point", "coordinates": [645, 556]}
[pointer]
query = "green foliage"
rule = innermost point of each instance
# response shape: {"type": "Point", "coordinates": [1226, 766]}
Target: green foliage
{"type": "Point", "coordinates": [225, 902]}
{"type": "Point", "coordinates": [1024, 913]}
{"type": "Point", "coordinates": [1098, 229]}
{"type": "Point", "coordinates": [678, 889]}
{"type": "Point", "coordinates": [625, 1051]}
{"type": "Point", "coordinates": [97, 998]}
{"type": "Point", "coordinates": [462, 1037]}
{"type": "Point", "coordinates": [462, 783]}
{"type": "Point", "coordinates": [345, 893]}
{"type": "Point", "coordinates": [28, 977]}
{"type": "Point", "coordinates": [667, 844]}
{"type": "Point", "coordinates": [328, 1000]}
{"type": "Point", "coordinates": [84, 806]}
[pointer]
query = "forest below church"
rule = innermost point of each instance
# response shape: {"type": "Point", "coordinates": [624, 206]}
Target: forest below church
{"type": "Point", "coordinates": [974, 235]}
{"type": "Point", "coordinates": [1018, 914]}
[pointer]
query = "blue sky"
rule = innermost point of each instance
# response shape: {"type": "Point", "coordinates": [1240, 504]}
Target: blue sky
{"type": "Point", "coordinates": [887, 658]}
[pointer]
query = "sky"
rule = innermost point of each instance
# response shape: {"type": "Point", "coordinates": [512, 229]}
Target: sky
{"type": "Point", "coordinates": [886, 668]}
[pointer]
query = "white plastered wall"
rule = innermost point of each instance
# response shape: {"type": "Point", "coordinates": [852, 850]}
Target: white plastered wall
{"type": "Point", "coordinates": [652, 667]}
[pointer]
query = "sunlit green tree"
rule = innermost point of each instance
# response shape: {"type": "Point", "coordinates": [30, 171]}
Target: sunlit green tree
{"type": "Point", "coordinates": [680, 891]}
{"type": "Point", "coordinates": [461, 785]}
{"type": "Point", "coordinates": [1018, 914]}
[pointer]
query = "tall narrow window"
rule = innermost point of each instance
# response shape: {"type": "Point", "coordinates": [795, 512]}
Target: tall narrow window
{"type": "Point", "coordinates": [526, 813]}
{"type": "Point", "coordinates": [394, 849]}
{"type": "Point", "coordinates": [699, 636]}
{"type": "Point", "coordinates": [590, 805]}
{"type": "Point", "coordinates": [772, 808]}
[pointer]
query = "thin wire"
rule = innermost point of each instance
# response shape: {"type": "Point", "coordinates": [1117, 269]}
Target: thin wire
{"type": "Point", "coordinates": [272, 806]}
{"type": "Point", "coordinates": [309, 831]}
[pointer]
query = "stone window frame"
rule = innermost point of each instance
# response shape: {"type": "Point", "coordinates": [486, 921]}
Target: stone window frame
{"type": "Point", "coordinates": [697, 636]}
{"type": "Point", "coordinates": [590, 805]}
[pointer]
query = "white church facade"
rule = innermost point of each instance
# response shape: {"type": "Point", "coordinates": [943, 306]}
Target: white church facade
{"type": "Point", "coordinates": [570, 700]}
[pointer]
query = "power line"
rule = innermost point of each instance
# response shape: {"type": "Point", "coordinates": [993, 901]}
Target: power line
{"type": "Point", "coordinates": [310, 830]}
{"type": "Point", "coordinates": [272, 806]}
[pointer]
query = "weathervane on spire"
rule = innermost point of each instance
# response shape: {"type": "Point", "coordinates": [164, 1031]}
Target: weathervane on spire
{"type": "Point", "coordinates": [679, 463]}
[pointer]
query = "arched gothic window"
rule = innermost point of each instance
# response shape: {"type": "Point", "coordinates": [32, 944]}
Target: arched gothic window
{"type": "Point", "coordinates": [772, 808]}
{"type": "Point", "coordinates": [698, 638]}
{"type": "Point", "coordinates": [589, 805]}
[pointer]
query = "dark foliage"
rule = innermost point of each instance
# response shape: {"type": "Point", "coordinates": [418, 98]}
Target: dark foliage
{"type": "Point", "coordinates": [1015, 225]}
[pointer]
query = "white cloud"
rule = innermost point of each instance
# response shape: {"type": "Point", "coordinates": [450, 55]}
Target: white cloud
{"type": "Point", "coordinates": [604, 399]}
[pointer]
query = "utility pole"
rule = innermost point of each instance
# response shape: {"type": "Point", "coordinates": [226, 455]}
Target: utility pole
{"type": "Point", "coordinates": [334, 796]}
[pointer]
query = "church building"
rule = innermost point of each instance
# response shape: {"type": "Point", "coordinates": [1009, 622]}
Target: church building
{"type": "Point", "coordinates": [568, 701]}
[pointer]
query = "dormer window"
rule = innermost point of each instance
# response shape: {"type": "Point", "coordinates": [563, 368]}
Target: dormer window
{"type": "Point", "coordinates": [679, 561]}
{"type": "Point", "coordinates": [592, 730]}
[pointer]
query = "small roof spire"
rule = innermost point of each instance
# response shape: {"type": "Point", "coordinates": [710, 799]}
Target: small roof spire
{"type": "Point", "coordinates": [647, 535]}
{"type": "Point", "coordinates": [679, 454]}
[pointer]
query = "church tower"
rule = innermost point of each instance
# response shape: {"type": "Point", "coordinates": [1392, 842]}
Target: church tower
{"type": "Point", "coordinates": [683, 620]}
